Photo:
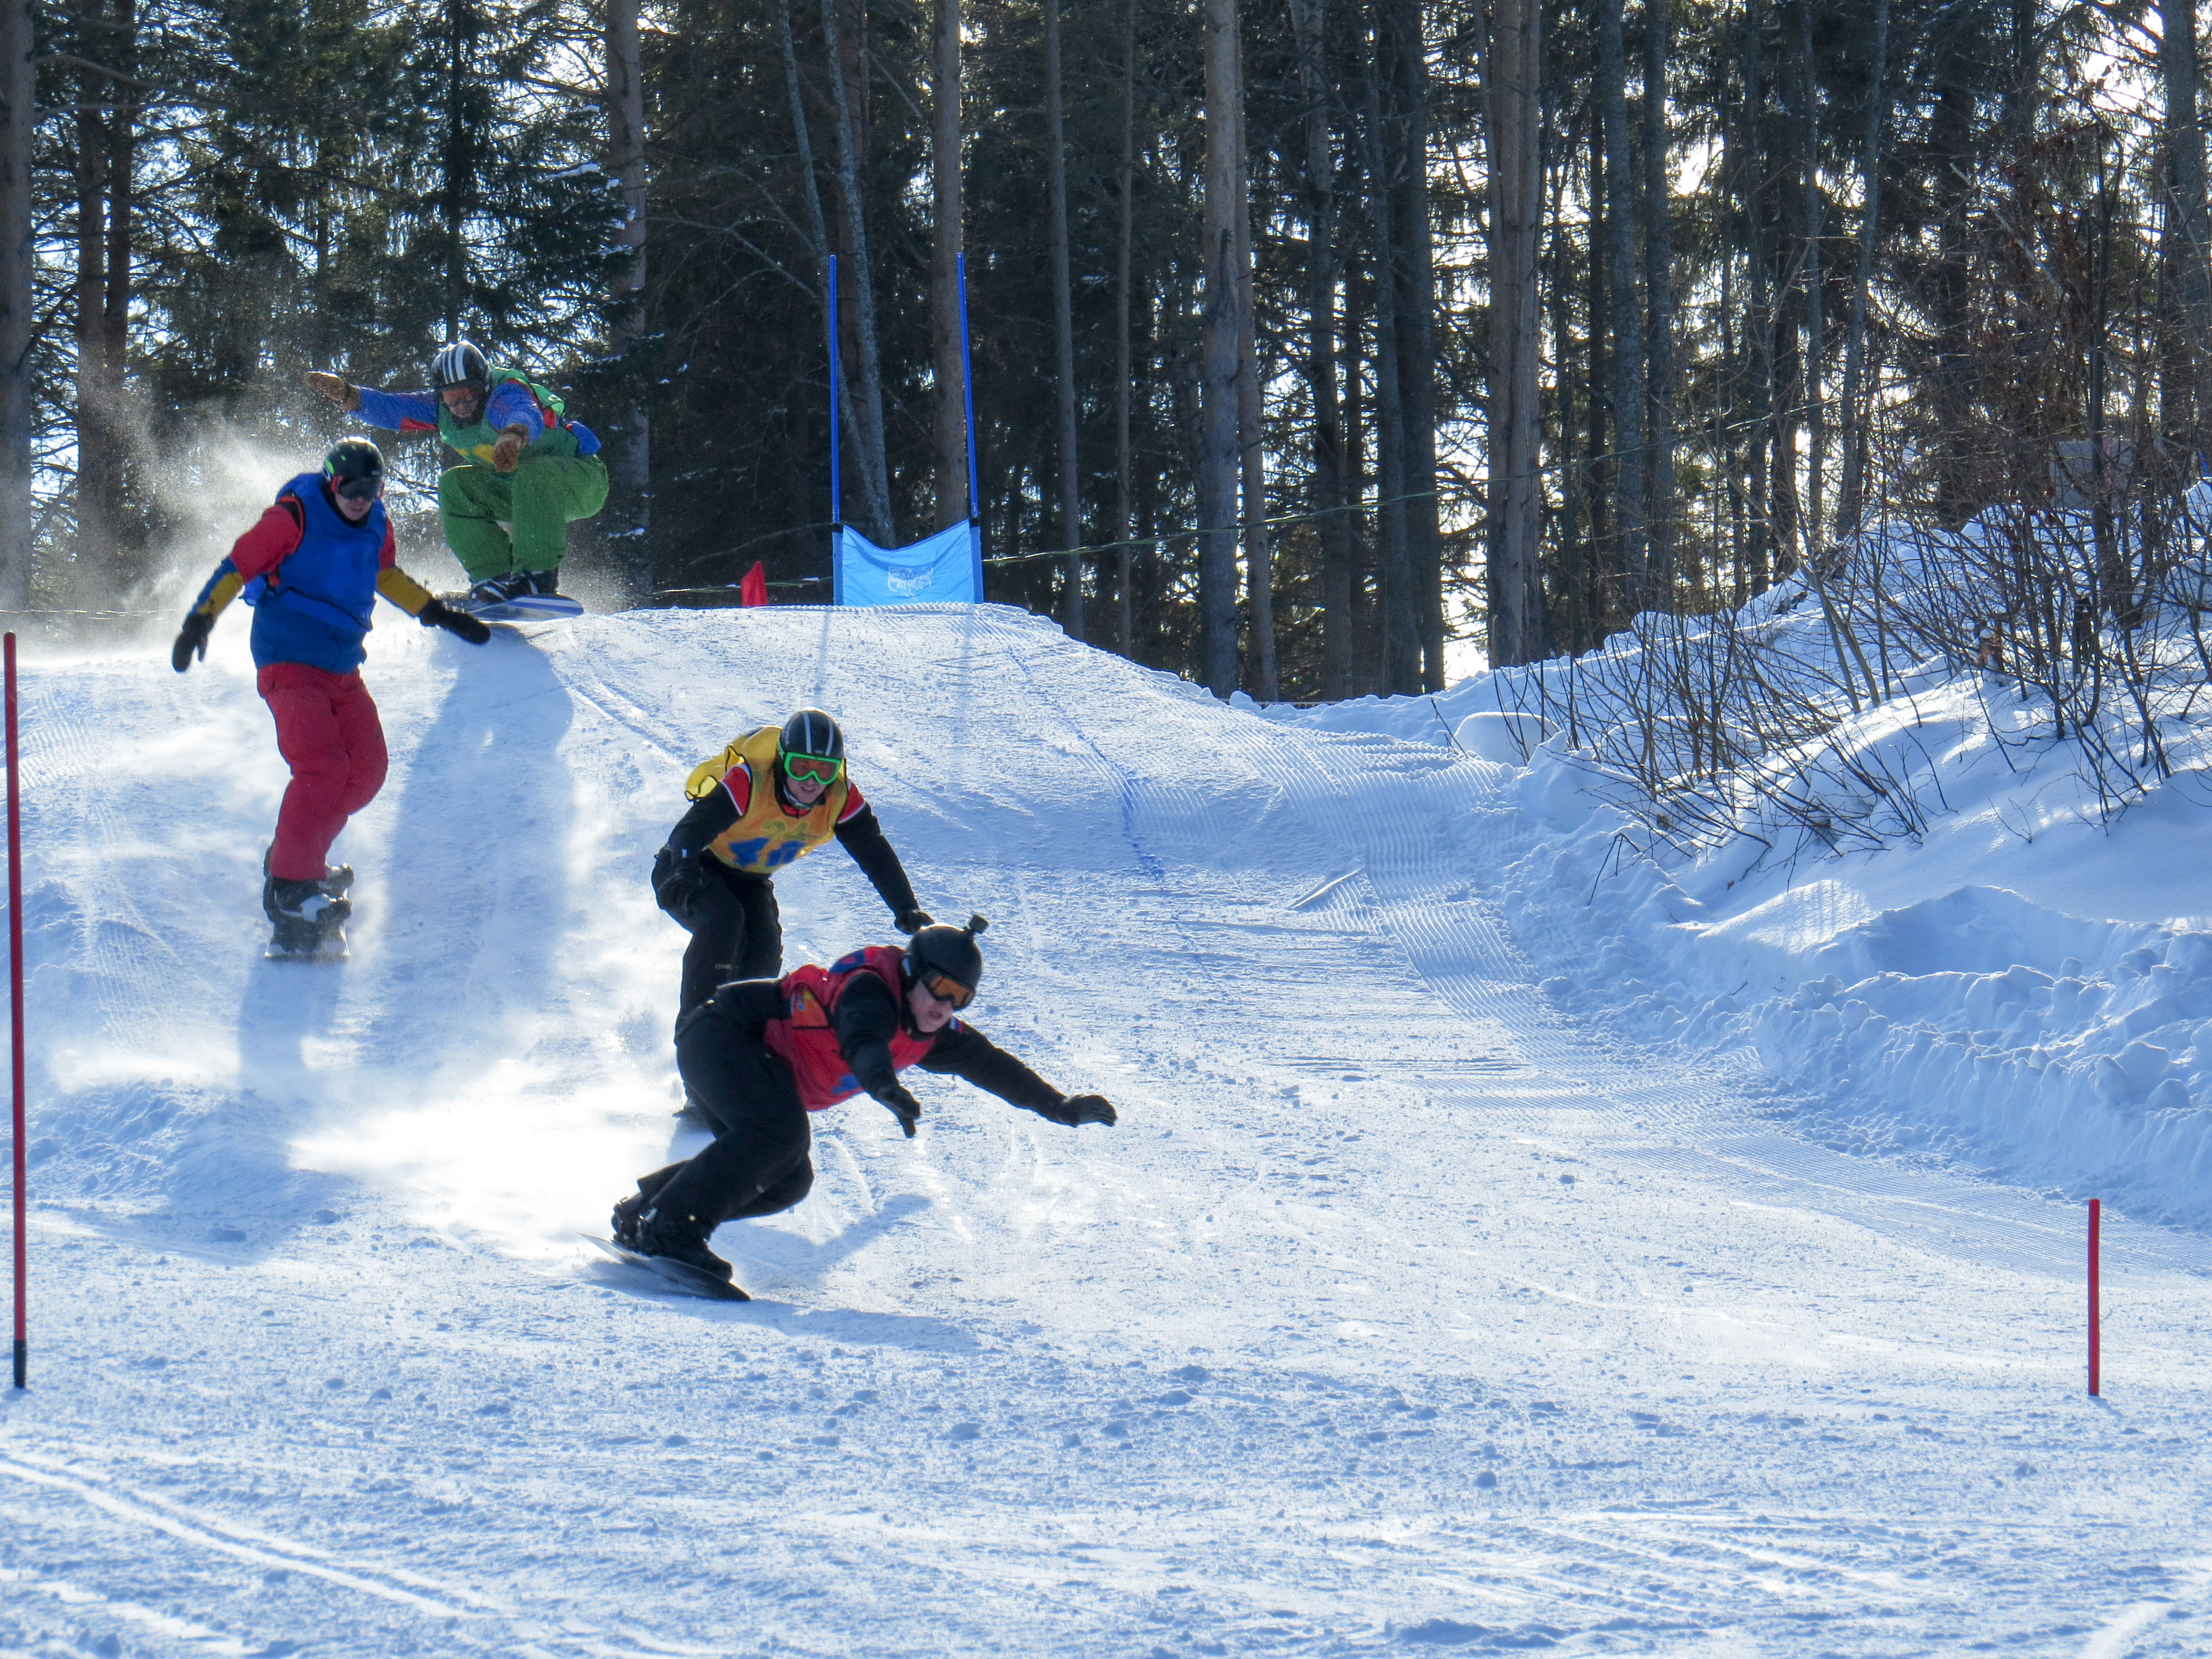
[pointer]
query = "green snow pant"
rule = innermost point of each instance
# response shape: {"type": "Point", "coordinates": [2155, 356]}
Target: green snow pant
{"type": "Point", "coordinates": [539, 498]}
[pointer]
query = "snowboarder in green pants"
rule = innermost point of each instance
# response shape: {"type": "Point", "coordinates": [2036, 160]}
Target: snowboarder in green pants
{"type": "Point", "coordinates": [526, 472]}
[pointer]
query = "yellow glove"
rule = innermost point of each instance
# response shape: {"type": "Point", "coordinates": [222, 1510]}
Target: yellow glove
{"type": "Point", "coordinates": [507, 453]}
{"type": "Point", "coordinates": [338, 391]}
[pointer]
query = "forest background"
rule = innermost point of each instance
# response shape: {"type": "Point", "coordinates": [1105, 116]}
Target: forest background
{"type": "Point", "coordinates": [1311, 340]}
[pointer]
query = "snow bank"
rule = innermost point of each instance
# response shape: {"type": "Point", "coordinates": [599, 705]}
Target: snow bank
{"type": "Point", "coordinates": [2011, 981]}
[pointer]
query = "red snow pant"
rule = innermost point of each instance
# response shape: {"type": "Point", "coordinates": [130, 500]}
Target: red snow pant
{"type": "Point", "coordinates": [327, 729]}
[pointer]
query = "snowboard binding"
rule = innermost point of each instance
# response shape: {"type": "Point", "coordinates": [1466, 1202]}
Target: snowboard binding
{"type": "Point", "coordinates": [308, 918]}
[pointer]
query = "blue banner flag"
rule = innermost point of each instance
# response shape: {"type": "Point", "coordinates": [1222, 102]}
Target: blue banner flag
{"type": "Point", "coordinates": [947, 569]}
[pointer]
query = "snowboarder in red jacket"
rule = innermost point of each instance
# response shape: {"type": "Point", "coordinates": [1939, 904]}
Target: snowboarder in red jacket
{"type": "Point", "coordinates": [762, 1054]}
{"type": "Point", "coordinates": [312, 569]}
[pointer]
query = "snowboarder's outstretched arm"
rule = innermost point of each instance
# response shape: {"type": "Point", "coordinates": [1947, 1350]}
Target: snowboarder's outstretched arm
{"type": "Point", "coordinates": [418, 602]}
{"type": "Point", "coordinates": [861, 834]}
{"type": "Point", "coordinates": [867, 1016]}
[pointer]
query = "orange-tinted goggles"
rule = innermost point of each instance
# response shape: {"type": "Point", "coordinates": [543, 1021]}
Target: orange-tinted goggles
{"type": "Point", "coordinates": [945, 988]}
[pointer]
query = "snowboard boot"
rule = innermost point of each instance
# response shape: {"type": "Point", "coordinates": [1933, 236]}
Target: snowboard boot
{"type": "Point", "coordinates": [623, 1224]}
{"type": "Point", "coordinates": [306, 919]}
{"type": "Point", "coordinates": [546, 582]}
{"type": "Point", "coordinates": [337, 879]}
{"type": "Point", "coordinates": [680, 1238]}
{"type": "Point", "coordinates": [491, 591]}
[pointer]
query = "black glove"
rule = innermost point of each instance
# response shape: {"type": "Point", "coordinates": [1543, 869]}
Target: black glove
{"type": "Point", "coordinates": [1080, 1109]}
{"type": "Point", "coordinates": [680, 880]}
{"type": "Point", "coordinates": [902, 1105]}
{"type": "Point", "coordinates": [439, 614]}
{"type": "Point", "coordinates": [190, 638]}
{"type": "Point", "coordinates": [911, 921]}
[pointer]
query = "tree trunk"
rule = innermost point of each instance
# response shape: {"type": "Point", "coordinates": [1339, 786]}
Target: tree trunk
{"type": "Point", "coordinates": [1398, 593]}
{"type": "Point", "coordinates": [2188, 228]}
{"type": "Point", "coordinates": [18, 124]}
{"type": "Point", "coordinates": [459, 192]}
{"type": "Point", "coordinates": [1516, 203]}
{"type": "Point", "coordinates": [1759, 325]}
{"type": "Point", "coordinates": [875, 479]}
{"type": "Point", "coordinates": [1217, 461]}
{"type": "Point", "coordinates": [95, 534]}
{"type": "Point", "coordinates": [115, 331]}
{"type": "Point", "coordinates": [1857, 418]}
{"type": "Point", "coordinates": [2026, 59]}
{"type": "Point", "coordinates": [633, 470]}
{"type": "Point", "coordinates": [1412, 273]}
{"type": "Point", "coordinates": [810, 191]}
{"type": "Point", "coordinates": [811, 194]}
{"type": "Point", "coordinates": [1367, 558]}
{"type": "Point", "coordinates": [1601, 596]}
{"type": "Point", "coordinates": [1063, 318]}
{"type": "Point", "coordinates": [1568, 612]}
{"type": "Point", "coordinates": [1259, 559]}
{"type": "Point", "coordinates": [1333, 527]}
{"type": "Point", "coordinates": [1124, 388]}
{"type": "Point", "coordinates": [1812, 269]}
{"type": "Point", "coordinates": [949, 420]}
{"type": "Point", "coordinates": [1659, 312]}
{"type": "Point", "coordinates": [1625, 388]}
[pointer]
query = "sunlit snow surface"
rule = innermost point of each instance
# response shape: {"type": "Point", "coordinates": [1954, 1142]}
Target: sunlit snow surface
{"type": "Point", "coordinates": [1409, 1309]}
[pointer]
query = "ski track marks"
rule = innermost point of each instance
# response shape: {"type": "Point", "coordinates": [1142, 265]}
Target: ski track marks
{"type": "Point", "coordinates": [1401, 1313]}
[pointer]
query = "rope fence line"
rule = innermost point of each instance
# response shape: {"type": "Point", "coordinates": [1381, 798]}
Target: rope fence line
{"type": "Point", "coordinates": [1218, 530]}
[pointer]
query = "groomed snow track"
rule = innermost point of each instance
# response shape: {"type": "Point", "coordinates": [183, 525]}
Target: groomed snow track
{"type": "Point", "coordinates": [1399, 1314]}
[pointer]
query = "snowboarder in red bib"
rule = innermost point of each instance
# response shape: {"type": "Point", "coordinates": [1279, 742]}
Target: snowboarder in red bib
{"type": "Point", "coordinates": [312, 569]}
{"type": "Point", "coordinates": [768, 800]}
{"type": "Point", "coordinates": [765, 1053]}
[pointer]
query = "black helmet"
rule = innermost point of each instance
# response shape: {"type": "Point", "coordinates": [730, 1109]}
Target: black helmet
{"type": "Point", "coordinates": [354, 469]}
{"type": "Point", "coordinates": [941, 948]}
{"type": "Point", "coordinates": [810, 732]}
{"type": "Point", "coordinates": [459, 364]}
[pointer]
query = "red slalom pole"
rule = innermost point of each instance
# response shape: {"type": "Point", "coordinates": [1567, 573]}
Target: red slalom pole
{"type": "Point", "coordinates": [2096, 1217]}
{"type": "Point", "coordinates": [15, 1017]}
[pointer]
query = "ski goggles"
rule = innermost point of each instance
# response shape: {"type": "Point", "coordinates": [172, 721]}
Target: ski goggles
{"type": "Point", "coordinates": [945, 988]}
{"type": "Point", "coordinates": [813, 768]}
{"type": "Point", "coordinates": [357, 488]}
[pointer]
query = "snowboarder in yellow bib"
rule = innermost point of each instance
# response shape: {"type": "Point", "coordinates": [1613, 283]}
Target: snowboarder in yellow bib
{"type": "Point", "coordinates": [523, 464]}
{"type": "Point", "coordinates": [768, 800]}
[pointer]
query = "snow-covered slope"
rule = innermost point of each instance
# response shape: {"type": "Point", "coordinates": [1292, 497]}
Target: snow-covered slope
{"type": "Point", "coordinates": [1403, 1310]}
{"type": "Point", "coordinates": [2021, 985]}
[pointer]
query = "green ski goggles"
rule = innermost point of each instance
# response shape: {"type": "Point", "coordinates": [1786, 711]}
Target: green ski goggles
{"type": "Point", "coordinates": [813, 768]}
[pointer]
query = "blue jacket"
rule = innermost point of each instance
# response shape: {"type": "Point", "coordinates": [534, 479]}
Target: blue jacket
{"type": "Point", "coordinates": [311, 577]}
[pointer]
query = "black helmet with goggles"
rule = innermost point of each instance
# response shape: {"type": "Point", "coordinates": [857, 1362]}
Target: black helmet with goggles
{"type": "Point", "coordinates": [354, 470]}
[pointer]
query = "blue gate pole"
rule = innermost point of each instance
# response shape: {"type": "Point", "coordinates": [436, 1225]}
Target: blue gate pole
{"type": "Point", "coordinates": [968, 394]}
{"type": "Point", "coordinates": [836, 511]}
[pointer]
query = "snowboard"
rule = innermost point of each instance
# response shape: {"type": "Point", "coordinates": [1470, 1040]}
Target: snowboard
{"type": "Point", "coordinates": [528, 608]}
{"type": "Point", "coordinates": [682, 1275]}
{"type": "Point", "coordinates": [331, 947]}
